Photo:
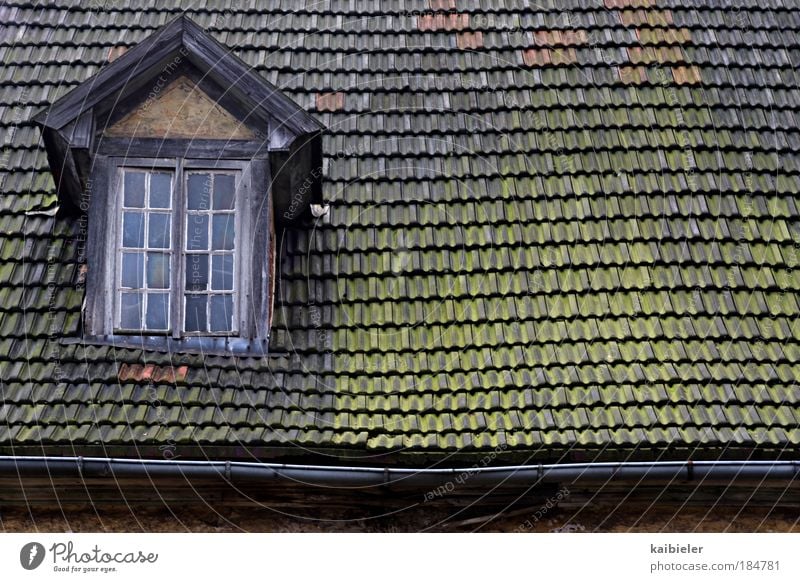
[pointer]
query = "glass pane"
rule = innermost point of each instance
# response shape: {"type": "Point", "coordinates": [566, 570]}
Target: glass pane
{"type": "Point", "coordinates": [223, 192]}
{"type": "Point", "coordinates": [133, 229]}
{"type": "Point", "coordinates": [197, 232]}
{"type": "Point", "coordinates": [160, 190]}
{"type": "Point", "coordinates": [222, 232]}
{"type": "Point", "coordinates": [196, 313]}
{"type": "Point", "coordinates": [131, 311]}
{"type": "Point", "coordinates": [157, 310]}
{"type": "Point", "coordinates": [199, 192]}
{"type": "Point", "coordinates": [134, 190]}
{"type": "Point", "coordinates": [221, 312]}
{"type": "Point", "coordinates": [158, 270]}
{"type": "Point", "coordinates": [158, 233]}
{"type": "Point", "coordinates": [133, 270]}
{"type": "Point", "coordinates": [196, 272]}
{"type": "Point", "coordinates": [222, 272]}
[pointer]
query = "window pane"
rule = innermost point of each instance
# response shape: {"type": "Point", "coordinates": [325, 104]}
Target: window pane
{"type": "Point", "coordinates": [223, 192]}
{"type": "Point", "coordinates": [133, 229]}
{"type": "Point", "coordinates": [158, 270]}
{"type": "Point", "coordinates": [133, 270]}
{"type": "Point", "coordinates": [157, 310]}
{"type": "Point", "coordinates": [196, 272]}
{"type": "Point", "coordinates": [134, 189]}
{"type": "Point", "coordinates": [158, 233]}
{"type": "Point", "coordinates": [131, 315]}
{"type": "Point", "coordinates": [199, 192]}
{"type": "Point", "coordinates": [196, 313]}
{"type": "Point", "coordinates": [197, 232]}
{"type": "Point", "coordinates": [160, 190]}
{"type": "Point", "coordinates": [222, 272]}
{"type": "Point", "coordinates": [222, 232]}
{"type": "Point", "coordinates": [221, 312]}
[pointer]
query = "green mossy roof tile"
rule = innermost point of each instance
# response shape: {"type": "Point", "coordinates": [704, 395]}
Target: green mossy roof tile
{"type": "Point", "coordinates": [563, 260]}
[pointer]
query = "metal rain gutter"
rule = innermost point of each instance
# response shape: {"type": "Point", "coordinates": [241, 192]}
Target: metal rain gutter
{"type": "Point", "coordinates": [236, 472]}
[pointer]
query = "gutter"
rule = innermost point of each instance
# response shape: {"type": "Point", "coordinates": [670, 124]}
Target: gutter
{"type": "Point", "coordinates": [343, 477]}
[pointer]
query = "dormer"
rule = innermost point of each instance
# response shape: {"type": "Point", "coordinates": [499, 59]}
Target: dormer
{"type": "Point", "coordinates": [182, 158]}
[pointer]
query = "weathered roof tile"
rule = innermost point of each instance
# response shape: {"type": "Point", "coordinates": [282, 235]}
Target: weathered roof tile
{"type": "Point", "coordinates": [569, 230]}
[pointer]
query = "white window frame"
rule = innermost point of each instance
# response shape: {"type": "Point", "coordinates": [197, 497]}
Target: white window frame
{"type": "Point", "coordinates": [242, 242]}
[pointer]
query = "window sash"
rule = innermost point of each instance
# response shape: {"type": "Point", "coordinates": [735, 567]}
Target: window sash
{"type": "Point", "coordinates": [209, 213]}
{"type": "Point", "coordinates": [144, 250]}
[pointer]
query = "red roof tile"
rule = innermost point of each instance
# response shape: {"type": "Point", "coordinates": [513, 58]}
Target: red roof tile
{"type": "Point", "coordinates": [330, 101]}
{"type": "Point", "coordinates": [443, 22]}
{"type": "Point", "coordinates": [686, 75]}
{"type": "Point", "coordinates": [442, 4]}
{"type": "Point", "coordinates": [469, 40]}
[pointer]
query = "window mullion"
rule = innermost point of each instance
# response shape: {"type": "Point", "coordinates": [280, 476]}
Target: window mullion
{"type": "Point", "coordinates": [178, 226]}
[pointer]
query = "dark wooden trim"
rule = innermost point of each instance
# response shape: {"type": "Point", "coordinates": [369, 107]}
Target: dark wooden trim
{"type": "Point", "coordinates": [81, 131]}
{"type": "Point", "coordinates": [108, 114]}
{"type": "Point", "coordinates": [116, 76]}
{"type": "Point", "coordinates": [260, 211]}
{"type": "Point", "coordinates": [97, 247]}
{"type": "Point", "coordinates": [210, 149]}
{"type": "Point", "coordinates": [228, 70]}
{"type": "Point", "coordinates": [254, 118]}
{"type": "Point", "coordinates": [62, 166]}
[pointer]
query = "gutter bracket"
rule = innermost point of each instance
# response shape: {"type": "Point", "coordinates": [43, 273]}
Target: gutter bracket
{"type": "Point", "coordinates": [228, 471]}
{"type": "Point", "coordinates": [690, 470]}
{"type": "Point", "coordinates": [80, 467]}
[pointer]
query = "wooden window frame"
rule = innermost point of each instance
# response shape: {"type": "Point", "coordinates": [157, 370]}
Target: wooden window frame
{"type": "Point", "coordinates": [252, 278]}
{"type": "Point", "coordinates": [116, 255]}
{"type": "Point", "coordinates": [180, 169]}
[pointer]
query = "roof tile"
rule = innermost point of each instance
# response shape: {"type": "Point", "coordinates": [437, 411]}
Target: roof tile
{"type": "Point", "coordinates": [435, 22]}
{"type": "Point", "coordinates": [593, 254]}
{"type": "Point", "coordinates": [330, 101]}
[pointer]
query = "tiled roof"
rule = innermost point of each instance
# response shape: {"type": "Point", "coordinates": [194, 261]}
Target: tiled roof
{"type": "Point", "coordinates": [554, 227]}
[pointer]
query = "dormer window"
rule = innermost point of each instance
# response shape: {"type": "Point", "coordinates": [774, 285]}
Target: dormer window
{"type": "Point", "coordinates": [178, 228]}
{"type": "Point", "coordinates": [184, 160]}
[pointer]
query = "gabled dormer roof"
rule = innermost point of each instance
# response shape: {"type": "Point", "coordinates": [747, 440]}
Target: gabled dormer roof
{"type": "Point", "coordinates": [182, 36]}
{"type": "Point", "coordinates": [68, 125]}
